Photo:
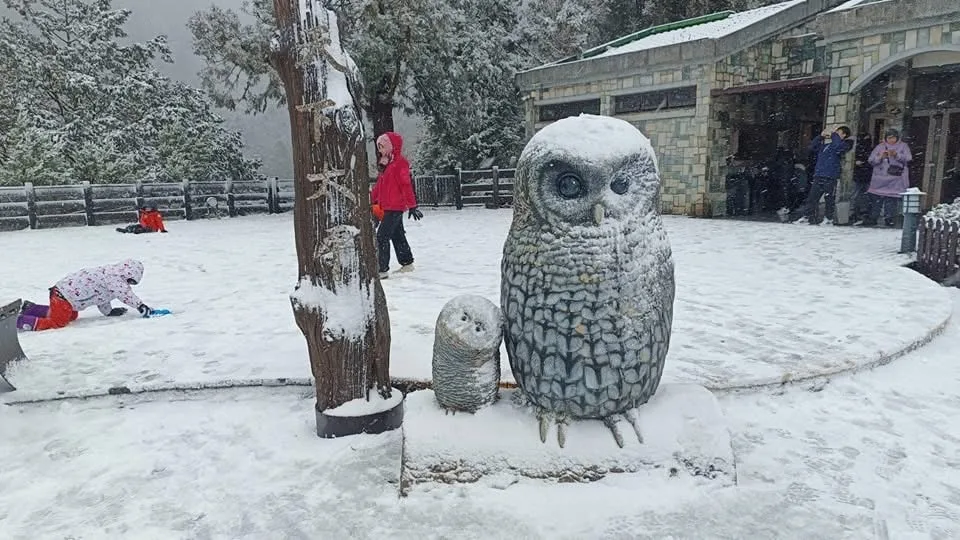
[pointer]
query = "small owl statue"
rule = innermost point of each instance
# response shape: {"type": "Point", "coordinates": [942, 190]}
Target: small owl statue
{"type": "Point", "coordinates": [587, 284]}
{"type": "Point", "coordinates": [466, 354]}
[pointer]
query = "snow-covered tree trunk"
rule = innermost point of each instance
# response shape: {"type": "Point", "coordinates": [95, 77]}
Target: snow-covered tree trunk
{"type": "Point", "coordinates": [338, 303]}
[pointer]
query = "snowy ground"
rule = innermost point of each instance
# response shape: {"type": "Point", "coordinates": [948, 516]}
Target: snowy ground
{"type": "Point", "coordinates": [870, 455]}
{"type": "Point", "coordinates": [756, 303]}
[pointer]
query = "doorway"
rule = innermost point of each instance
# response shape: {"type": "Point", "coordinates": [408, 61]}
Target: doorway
{"type": "Point", "coordinates": [916, 138]}
{"type": "Point", "coordinates": [770, 126]}
{"type": "Point", "coordinates": [950, 179]}
{"type": "Point", "coordinates": [935, 144]}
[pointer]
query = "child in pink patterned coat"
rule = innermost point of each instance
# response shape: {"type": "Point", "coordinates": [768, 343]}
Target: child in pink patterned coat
{"type": "Point", "coordinates": [98, 286]}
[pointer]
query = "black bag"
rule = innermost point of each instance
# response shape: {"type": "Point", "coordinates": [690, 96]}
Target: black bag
{"type": "Point", "coordinates": [894, 170]}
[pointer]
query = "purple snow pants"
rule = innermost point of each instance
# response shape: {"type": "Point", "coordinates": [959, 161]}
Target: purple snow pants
{"type": "Point", "coordinates": [30, 315]}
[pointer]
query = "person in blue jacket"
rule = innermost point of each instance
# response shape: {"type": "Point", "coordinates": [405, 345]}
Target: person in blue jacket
{"type": "Point", "coordinates": [829, 148]}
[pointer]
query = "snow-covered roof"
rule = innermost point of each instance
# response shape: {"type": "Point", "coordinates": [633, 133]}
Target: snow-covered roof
{"type": "Point", "coordinates": [709, 30]}
{"type": "Point", "coordinates": [850, 4]}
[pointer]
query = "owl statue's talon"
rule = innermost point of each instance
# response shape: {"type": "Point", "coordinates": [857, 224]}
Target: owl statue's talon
{"type": "Point", "coordinates": [612, 423]}
{"type": "Point", "coordinates": [561, 430]}
{"type": "Point", "coordinates": [544, 417]}
{"type": "Point", "coordinates": [633, 416]}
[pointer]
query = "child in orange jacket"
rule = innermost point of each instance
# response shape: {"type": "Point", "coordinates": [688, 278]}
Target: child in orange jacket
{"type": "Point", "coordinates": [150, 221]}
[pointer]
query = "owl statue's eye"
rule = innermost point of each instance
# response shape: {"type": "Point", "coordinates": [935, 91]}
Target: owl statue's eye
{"type": "Point", "coordinates": [570, 186]}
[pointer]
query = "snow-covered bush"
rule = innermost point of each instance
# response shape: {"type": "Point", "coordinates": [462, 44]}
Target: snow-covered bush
{"type": "Point", "coordinates": [945, 211]}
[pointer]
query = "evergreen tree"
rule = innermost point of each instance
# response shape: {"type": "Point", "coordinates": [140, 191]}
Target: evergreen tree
{"type": "Point", "coordinates": [452, 62]}
{"type": "Point", "coordinates": [100, 101]}
{"type": "Point", "coordinates": [28, 152]}
{"type": "Point", "coordinates": [381, 33]}
{"type": "Point", "coordinates": [464, 85]}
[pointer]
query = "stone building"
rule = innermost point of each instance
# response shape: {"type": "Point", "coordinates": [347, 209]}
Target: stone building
{"type": "Point", "coordinates": [734, 90]}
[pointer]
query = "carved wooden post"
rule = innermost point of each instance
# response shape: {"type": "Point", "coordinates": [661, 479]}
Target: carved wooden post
{"type": "Point", "coordinates": [338, 302]}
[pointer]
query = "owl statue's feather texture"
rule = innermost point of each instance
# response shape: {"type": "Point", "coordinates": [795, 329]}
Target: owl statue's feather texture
{"type": "Point", "coordinates": [587, 284]}
{"type": "Point", "coordinates": [466, 353]}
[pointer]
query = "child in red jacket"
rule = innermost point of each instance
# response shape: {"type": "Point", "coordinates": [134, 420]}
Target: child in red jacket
{"type": "Point", "coordinates": [393, 193]}
{"type": "Point", "coordinates": [150, 221]}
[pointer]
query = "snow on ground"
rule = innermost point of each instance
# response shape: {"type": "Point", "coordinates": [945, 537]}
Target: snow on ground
{"type": "Point", "coordinates": [887, 441]}
{"type": "Point", "coordinates": [870, 455]}
{"type": "Point", "coordinates": [247, 465]}
{"type": "Point", "coordinates": [756, 302]}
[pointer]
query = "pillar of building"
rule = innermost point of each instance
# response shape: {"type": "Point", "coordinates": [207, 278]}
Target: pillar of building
{"type": "Point", "coordinates": [529, 114]}
{"type": "Point", "coordinates": [843, 109]}
{"type": "Point", "coordinates": [606, 105]}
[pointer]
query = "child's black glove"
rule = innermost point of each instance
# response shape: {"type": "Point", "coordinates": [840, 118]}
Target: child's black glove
{"type": "Point", "coordinates": [117, 311]}
{"type": "Point", "coordinates": [417, 215]}
{"type": "Point", "coordinates": [144, 310]}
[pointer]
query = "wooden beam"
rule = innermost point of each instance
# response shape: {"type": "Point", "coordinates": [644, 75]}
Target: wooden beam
{"type": "Point", "coordinates": [790, 84]}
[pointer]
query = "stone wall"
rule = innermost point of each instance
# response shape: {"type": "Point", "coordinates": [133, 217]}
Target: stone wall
{"type": "Point", "coordinates": [792, 55]}
{"type": "Point", "coordinates": [679, 136]}
{"type": "Point", "coordinates": [853, 56]}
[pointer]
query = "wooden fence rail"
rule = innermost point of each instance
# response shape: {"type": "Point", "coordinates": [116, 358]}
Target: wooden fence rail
{"type": "Point", "coordinates": [938, 248]}
{"type": "Point", "coordinates": [36, 207]}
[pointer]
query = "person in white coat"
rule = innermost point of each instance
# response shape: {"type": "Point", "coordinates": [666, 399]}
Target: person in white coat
{"type": "Point", "coordinates": [98, 286]}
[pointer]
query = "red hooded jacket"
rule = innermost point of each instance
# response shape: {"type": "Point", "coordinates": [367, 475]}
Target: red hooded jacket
{"type": "Point", "coordinates": [394, 188]}
{"type": "Point", "coordinates": [153, 220]}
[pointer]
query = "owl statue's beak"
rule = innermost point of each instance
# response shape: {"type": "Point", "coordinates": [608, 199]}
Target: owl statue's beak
{"type": "Point", "coordinates": [598, 214]}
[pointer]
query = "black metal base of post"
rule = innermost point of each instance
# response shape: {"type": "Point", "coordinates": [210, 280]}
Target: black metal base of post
{"type": "Point", "coordinates": [908, 238]}
{"type": "Point", "coordinates": [332, 427]}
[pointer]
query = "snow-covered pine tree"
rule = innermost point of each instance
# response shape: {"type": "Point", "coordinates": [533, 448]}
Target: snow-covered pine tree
{"type": "Point", "coordinates": [66, 61]}
{"type": "Point", "coordinates": [383, 36]}
{"type": "Point", "coordinates": [380, 33]}
{"type": "Point", "coordinates": [338, 303]}
{"type": "Point", "coordinates": [464, 84]}
{"type": "Point", "coordinates": [548, 30]}
{"type": "Point", "coordinates": [235, 48]}
{"type": "Point", "coordinates": [29, 152]}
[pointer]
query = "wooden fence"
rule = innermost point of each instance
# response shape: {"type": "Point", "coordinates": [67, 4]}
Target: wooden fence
{"type": "Point", "coordinates": [492, 188]}
{"type": "Point", "coordinates": [41, 207]}
{"type": "Point", "coordinates": [937, 248]}
{"type": "Point", "coordinates": [37, 207]}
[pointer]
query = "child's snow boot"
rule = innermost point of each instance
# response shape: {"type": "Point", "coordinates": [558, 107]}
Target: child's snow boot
{"type": "Point", "coordinates": [26, 306]}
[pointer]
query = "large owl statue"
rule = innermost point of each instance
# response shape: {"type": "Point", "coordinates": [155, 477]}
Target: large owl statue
{"type": "Point", "coordinates": [587, 284]}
